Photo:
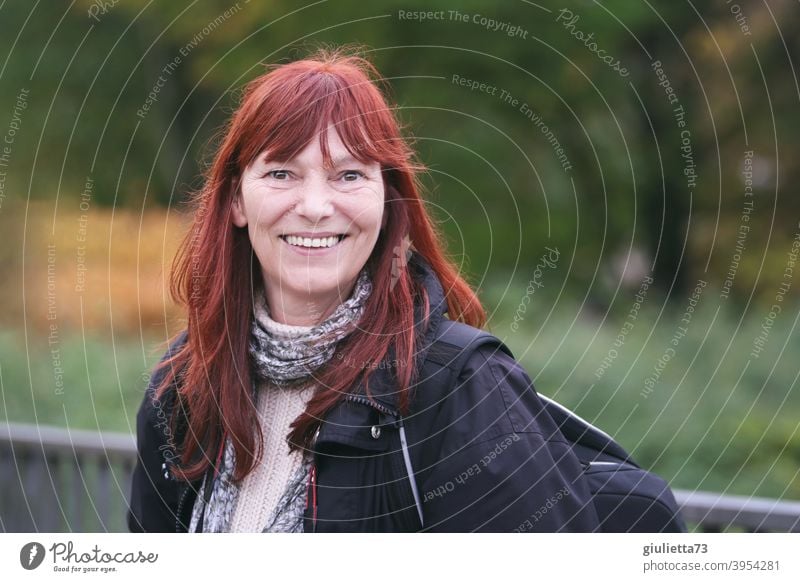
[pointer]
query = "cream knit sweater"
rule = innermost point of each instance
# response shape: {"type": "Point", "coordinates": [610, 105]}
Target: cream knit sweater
{"type": "Point", "coordinates": [276, 407]}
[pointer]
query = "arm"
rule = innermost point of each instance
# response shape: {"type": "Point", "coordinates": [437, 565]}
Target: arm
{"type": "Point", "coordinates": [154, 498]}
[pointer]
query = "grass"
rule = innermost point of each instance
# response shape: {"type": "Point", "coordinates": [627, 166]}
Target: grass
{"type": "Point", "coordinates": [103, 383]}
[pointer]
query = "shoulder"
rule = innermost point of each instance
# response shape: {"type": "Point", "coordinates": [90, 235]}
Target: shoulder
{"type": "Point", "coordinates": [492, 379]}
{"type": "Point", "coordinates": [476, 390]}
{"type": "Point", "coordinates": [151, 405]}
{"type": "Point", "coordinates": [475, 359]}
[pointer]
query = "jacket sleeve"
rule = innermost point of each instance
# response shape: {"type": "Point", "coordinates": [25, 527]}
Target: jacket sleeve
{"type": "Point", "coordinates": [499, 462]}
{"type": "Point", "coordinates": [154, 492]}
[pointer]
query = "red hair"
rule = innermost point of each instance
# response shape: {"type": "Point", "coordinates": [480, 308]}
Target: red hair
{"type": "Point", "coordinates": [215, 272]}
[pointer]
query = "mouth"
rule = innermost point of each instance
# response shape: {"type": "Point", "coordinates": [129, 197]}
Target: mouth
{"type": "Point", "coordinates": [323, 242]}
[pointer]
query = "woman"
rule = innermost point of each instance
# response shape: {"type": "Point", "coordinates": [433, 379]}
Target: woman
{"type": "Point", "coordinates": [316, 287]}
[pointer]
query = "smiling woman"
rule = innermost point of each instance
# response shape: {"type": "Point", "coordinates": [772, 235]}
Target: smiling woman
{"type": "Point", "coordinates": [311, 240]}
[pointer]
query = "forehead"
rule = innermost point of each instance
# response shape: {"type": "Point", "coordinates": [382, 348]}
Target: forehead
{"type": "Point", "coordinates": [313, 152]}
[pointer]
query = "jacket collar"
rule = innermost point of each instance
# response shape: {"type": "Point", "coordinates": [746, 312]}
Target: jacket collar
{"type": "Point", "coordinates": [382, 384]}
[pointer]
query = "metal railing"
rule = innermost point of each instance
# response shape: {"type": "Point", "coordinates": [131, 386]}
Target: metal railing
{"type": "Point", "coordinates": [712, 512]}
{"type": "Point", "coordinates": [60, 480]}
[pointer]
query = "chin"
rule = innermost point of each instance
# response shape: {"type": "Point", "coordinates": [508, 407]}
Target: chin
{"type": "Point", "coordinates": [317, 281]}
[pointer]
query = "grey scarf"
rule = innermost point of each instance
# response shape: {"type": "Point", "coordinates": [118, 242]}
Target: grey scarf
{"type": "Point", "coordinates": [281, 361]}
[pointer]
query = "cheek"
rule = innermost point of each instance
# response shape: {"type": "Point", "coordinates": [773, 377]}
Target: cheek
{"type": "Point", "coordinates": [260, 213]}
{"type": "Point", "coordinates": [370, 219]}
{"type": "Point", "coordinates": [368, 213]}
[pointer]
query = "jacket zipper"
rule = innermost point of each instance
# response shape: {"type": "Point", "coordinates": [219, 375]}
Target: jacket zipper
{"type": "Point", "coordinates": [361, 399]}
{"type": "Point", "coordinates": [180, 508]}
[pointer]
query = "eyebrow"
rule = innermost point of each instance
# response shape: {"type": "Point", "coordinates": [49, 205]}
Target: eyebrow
{"type": "Point", "coordinates": [346, 159]}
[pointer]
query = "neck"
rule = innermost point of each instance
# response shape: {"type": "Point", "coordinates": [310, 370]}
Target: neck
{"type": "Point", "coordinates": [306, 310]}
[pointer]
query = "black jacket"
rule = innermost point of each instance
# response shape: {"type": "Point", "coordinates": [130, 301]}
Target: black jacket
{"type": "Point", "coordinates": [483, 453]}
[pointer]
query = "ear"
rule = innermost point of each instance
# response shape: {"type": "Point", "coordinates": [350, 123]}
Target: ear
{"type": "Point", "coordinates": [238, 216]}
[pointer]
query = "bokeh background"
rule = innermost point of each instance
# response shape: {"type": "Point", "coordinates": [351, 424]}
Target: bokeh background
{"type": "Point", "coordinates": [616, 178]}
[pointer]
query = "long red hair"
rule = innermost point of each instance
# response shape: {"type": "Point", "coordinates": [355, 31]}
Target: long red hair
{"type": "Point", "coordinates": [215, 272]}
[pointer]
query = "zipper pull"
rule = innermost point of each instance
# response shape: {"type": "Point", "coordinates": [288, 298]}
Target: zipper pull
{"type": "Point", "coordinates": [315, 437]}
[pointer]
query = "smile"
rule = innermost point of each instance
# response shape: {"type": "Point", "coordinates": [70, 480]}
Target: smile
{"type": "Point", "coordinates": [313, 242]}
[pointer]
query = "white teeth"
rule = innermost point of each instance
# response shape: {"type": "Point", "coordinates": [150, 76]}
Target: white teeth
{"type": "Point", "coordinates": [312, 242]}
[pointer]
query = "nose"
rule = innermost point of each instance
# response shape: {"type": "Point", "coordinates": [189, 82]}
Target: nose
{"type": "Point", "coordinates": [315, 199]}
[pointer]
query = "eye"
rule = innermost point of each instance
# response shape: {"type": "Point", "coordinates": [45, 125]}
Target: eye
{"type": "Point", "coordinates": [281, 175]}
{"type": "Point", "coordinates": [352, 175]}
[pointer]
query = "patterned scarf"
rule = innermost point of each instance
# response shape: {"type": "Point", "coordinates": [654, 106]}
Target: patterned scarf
{"type": "Point", "coordinates": [283, 362]}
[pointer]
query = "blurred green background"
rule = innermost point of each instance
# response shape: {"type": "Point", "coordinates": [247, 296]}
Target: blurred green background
{"type": "Point", "coordinates": [676, 166]}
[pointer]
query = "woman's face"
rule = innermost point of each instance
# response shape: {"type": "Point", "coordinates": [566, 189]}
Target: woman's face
{"type": "Point", "coordinates": [311, 227]}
